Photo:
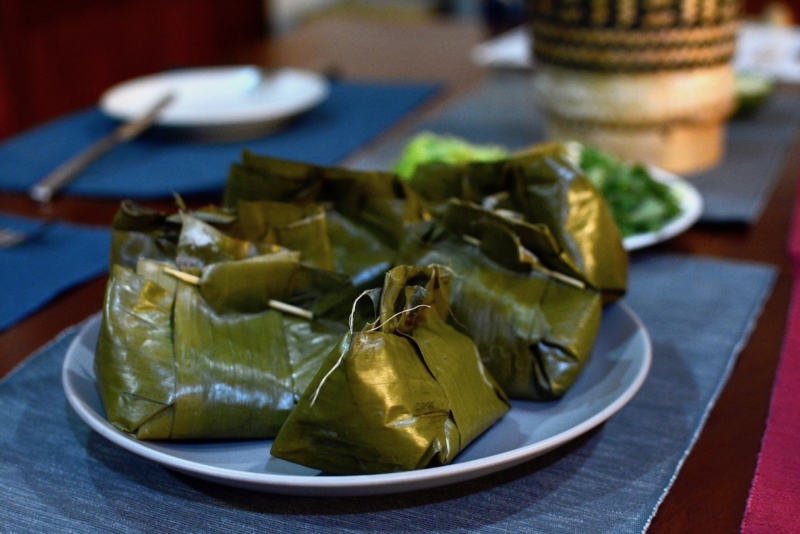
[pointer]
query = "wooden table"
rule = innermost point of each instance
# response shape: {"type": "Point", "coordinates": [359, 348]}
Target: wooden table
{"type": "Point", "coordinates": [711, 490]}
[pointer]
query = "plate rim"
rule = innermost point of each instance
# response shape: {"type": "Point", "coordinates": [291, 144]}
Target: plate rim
{"type": "Point", "coordinates": [319, 90]}
{"type": "Point", "coordinates": [691, 203]}
{"type": "Point", "coordinates": [352, 485]}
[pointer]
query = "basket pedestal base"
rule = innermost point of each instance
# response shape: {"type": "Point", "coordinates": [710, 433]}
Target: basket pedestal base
{"type": "Point", "coordinates": [677, 147]}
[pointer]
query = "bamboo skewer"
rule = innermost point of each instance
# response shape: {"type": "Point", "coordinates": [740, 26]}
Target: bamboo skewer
{"type": "Point", "coordinates": [530, 258]}
{"type": "Point", "coordinates": [274, 304]}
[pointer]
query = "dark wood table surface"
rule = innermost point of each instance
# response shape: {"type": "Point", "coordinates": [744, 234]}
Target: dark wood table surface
{"type": "Point", "coordinates": [711, 491]}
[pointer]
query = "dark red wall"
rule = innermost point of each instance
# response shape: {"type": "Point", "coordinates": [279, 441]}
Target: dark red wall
{"type": "Point", "coordinates": [57, 56]}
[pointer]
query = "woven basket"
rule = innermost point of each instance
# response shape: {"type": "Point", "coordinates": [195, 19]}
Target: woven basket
{"type": "Point", "coordinates": [650, 80]}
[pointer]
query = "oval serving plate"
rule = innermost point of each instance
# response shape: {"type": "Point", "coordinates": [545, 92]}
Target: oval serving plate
{"type": "Point", "coordinates": [619, 365]}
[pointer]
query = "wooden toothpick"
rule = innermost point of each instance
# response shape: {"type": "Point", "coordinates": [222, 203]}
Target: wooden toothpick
{"type": "Point", "coordinates": [272, 303]}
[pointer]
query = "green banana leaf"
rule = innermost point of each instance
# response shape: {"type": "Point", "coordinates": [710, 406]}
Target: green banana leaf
{"type": "Point", "coordinates": [534, 327]}
{"type": "Point", "coordinates": [367, 211]}
{"type": "Point", "coordinates": [250, 285]}
{"type": "Point", "coordinates": [193, 239]}
{"type": "Point", "coordinates": [407, 392]}
{"type": "Point", "coordinates": [211, 359]}
{"type": "Point", "coordinates": [134, 360]}
{"type": "Point", "coordinates": [139, 232]}
{"type": "Point", "coordinates": [544, 188]}
{"type": "Point", "coordinates": [201, 244]}
{"type": "Point", "coordinates": [303, 228]}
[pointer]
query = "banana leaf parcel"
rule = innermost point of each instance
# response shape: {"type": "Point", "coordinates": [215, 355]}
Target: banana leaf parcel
{"type": "Point", "coordinates": [203, 352]}
{"type": "Point", "coordinates": [367, 212]}
{"type": "Point", "coordinates": [252, 228]}
{"type": "Point", "coordinates": [545, 188]}
{"type": "Point", "coordinates": [407, 392]}
{"type": "Point", "coordinates": [534, 325]}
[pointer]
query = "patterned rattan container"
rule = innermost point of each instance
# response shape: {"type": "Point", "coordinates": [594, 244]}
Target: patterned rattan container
{"type": "Point", "coordinates": [649, 80]}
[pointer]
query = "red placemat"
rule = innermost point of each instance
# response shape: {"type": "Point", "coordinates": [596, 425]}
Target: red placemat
{"type": "Point", "coordinates": [774, 503]}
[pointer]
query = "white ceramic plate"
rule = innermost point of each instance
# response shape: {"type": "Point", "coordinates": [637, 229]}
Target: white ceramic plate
{"type": "Point", "coordinates": [619, 365]}
{"type": "Point", "coordinates": [691, 203]}
{"type": "Point", "coordinates": [243, 97]}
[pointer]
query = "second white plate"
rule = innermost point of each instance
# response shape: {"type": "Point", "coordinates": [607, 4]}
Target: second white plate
{"type": "Point", "coordinates": [215, 97]}
{"type": "Point", "coordinates": [619, 365]}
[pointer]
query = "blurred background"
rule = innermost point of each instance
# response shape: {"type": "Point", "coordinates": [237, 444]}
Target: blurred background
{"type": "Point", "coordinates": [57, 56]}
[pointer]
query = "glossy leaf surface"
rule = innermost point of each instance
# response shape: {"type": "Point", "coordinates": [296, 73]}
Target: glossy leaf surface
{"type": "Point", "coordinates": [407, 392]}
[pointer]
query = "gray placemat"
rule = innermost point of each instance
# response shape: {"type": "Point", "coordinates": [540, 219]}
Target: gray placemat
{"type": "Point", "coordinates": [59, 476]}
{"type": "Point", "coordinates": [501, 110]}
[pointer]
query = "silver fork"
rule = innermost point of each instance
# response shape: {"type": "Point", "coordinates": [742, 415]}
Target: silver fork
{"type": "Point", "coordinates": [11, 238]}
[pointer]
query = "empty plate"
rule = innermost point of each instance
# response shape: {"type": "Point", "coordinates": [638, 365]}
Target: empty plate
{"type": "Point", "coordinates": [220, 102]}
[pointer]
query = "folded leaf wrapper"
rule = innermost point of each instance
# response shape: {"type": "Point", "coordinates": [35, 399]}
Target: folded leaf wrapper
{"type": "Point", "coordinates": [252, 228]}
{"type": "Point", "coordinates": [407, 392]}
{"type": "Point", "coordinates": [546, 189]}
{"type": "Point", "coordinates": [139, 232]}
{"type": "Point", "coordinates": [534, 326]}
{"type": "Point", "coordinates": [368, 212]}
{"type": "Point", "coordinates": [211, 358]}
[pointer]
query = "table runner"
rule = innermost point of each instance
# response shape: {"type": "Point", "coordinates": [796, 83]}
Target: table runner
{"type": "Point", "coordinates": [60, 476]}
{"type": "Point", "coordinates": [774, 503]}
{"type": "Point", "coordinates": [55, 258]}
{"type": "Point", "coordinates": [158, 164]}
{"type": "Point", "coordinates": [502, 111]}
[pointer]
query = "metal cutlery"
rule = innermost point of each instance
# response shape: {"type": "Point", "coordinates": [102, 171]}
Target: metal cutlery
{"type": "Point", "coordinates": [11, 238]}
{"type": "Point", "coordinates": [44, 190]}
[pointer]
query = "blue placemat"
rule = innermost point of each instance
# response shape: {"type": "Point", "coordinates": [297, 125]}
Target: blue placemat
{"type": "Point", "coordinates": [158, 164]}
{"type": "Point", "coordinates": [502, 111]}
{"type": "Point", "coordinates": [55, 258]}
{"type": "Point", "coordinates": [59, 476]}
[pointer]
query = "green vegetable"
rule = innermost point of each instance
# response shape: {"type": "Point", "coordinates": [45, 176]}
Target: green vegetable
{"type": "Point", "coordinates": [639, 203]}
{"type": "Point", "coordinates": [432, 148]}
